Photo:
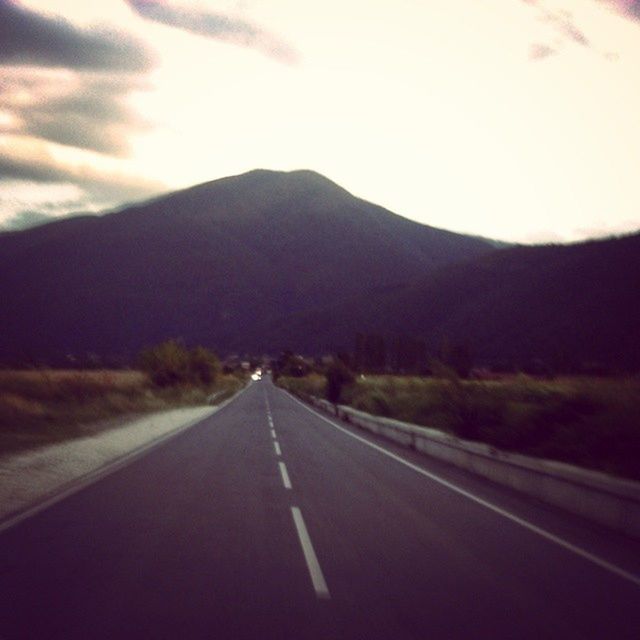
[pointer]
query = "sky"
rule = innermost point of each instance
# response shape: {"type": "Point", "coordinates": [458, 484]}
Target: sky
{"type": "Point", "coordinates": [512, 119]}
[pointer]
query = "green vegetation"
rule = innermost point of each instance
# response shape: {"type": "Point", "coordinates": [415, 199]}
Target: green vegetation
{"type": "Point", "coordinates": [43, 406]}
{"type": "Point", "coordinates": [339, 377]}
{"type": "Point", "coordinates": [171, 364]}
{"type": "Point", "coordinates": [290, 365]}
{"type": "Point", "coordinates": [314, 384]}
{"type": "Point", "coordinates": [591, 422]}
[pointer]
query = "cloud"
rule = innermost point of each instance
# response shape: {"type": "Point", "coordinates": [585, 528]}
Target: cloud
{"type": "Point", "coordinates": [103, 189]}
{"type": "Point", "coordinates": [25, 220]}
{"type": "Point", "coordinates": [562, 22]}
{"type": "Point", "coordinates": [604, 229]}
{"type": "Point", "coordinates": [86, 112]}
{"type": "Point", "coordinates": [630, 8]}
{"type": "Point", "coordinates": [68, 86]}
{"type": "Point", "coordinates": [28, 38]}
{"type": "Point", "coordinates": [218, 26]}
{"type": "Point", "coordinates": [540, 51]}
{"type": "Point", "coordinates": [544, 237]}
{"type": "Point", "coordinates": [22, 202]}
{"type": "Point", "coordinates": [571, 30]}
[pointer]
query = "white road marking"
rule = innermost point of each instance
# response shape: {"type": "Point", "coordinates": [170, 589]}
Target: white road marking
{"type": "Point", "coordinates": [276, 446]}
{"type": "Point", "coordinates": [266, 402]}
{"type": "Point", "coordinates": [273, 433]}
{"type": "Point", "coordinates": [77, 484]}
{"type": "Point", "coordinates": [317, 578]}
{"type": "Point", "coordinates": [604, 564]}
{"type": "Point", "coordinates": [269, 416]}
{"type": "Point", "coordinates": [285, 476]}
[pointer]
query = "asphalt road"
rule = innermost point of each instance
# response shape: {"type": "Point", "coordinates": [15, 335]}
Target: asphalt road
{"type": "Point", "coordinates": [265, 521]}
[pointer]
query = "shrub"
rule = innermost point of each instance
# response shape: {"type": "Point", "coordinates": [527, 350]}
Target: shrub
{"type": "Point", "coordinates": [311, 385]}
{"type": "Point", "coordinates": [167, 364]}
{"type": "Point", "coordinates": [203, 366]}
{"type": "Point", "coordinates": [469, 407]}
{"type": "Point", "coordinates": [375, 402]}
{"type": "Point", "coordinates": [170, 364]}
{"type": "Point", "coordinates": [338, 376]}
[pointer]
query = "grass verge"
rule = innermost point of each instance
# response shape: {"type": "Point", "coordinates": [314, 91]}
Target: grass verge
{"type": "Point", "coordinates": [590, 422]}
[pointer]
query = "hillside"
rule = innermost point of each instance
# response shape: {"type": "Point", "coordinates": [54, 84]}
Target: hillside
{"type": "Point", "coordinates": [573, 306]}
{"type": "Point", "coordinates": [214, 264]}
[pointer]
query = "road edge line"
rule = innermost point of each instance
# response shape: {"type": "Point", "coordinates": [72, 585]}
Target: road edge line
{"type": "Point", "coordinates": [586, 555]}
{"type": "Point", "coordinates": [77, 484]}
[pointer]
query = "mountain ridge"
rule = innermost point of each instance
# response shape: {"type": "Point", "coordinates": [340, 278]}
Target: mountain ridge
{"type": "Point", "coordinates": [208, 263]}
{"type": "Point", "coordinates": [573, 307]}
{"type": "Point", "coordinates": [266, 260]}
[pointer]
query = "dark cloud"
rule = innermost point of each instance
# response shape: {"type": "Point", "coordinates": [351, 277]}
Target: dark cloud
{"type": "Point", "coordinates": [68, 86]}
{"type": "Point", "coordinates": [26, 219]}
{"type": "Point", "coordinates": [217, 26]}
{"type": "Point", "coordinates": [630, 8]}
{"type": "Point", "coordinates": [102, 188]}
{"type": "Point", "coordinates": [94, 115]}
{"type": "Point", "coordinates": [77, 131]}
{"type": "Point", "coordinates": [28, 38]}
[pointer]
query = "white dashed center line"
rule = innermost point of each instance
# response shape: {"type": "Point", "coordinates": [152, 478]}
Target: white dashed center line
{"type": "Point", "coordinates": [285, 476]}
{"type": "Point", "coordinates": [315, 572]}
{"type": "Point", "coordinates": [317, 578]}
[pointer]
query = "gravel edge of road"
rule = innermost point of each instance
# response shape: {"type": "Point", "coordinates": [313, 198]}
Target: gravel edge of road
{"type": "Point", "coordinates": [34, 478]}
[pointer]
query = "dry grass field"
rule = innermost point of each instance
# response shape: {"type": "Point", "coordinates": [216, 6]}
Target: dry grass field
{"type": "Point", "coordinates": [43, 406]}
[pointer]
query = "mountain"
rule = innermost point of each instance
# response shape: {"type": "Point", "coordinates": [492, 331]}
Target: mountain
{"type": "Point", "coordinates": [215, 264]}
{"type": "Point", "coordinates": [575, 307]}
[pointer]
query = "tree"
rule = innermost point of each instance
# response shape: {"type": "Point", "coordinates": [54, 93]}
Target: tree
{"type": "Point", "coordinates": [409, 355]}
{"type": "Point", "coordinates": [370, 353]}
{"type": "Point", "coordinates": [457, 356]}
{"type": "Point", "coordinates": [167, 364]}
{"type": "Point", "coordinates": [338, 376]}
{"type": "Point", "coordinates": [203, 366]}
{"type": "Point", "coordinates": [171, 363]}
{"type": "Point", "coordinates": [291, 365]}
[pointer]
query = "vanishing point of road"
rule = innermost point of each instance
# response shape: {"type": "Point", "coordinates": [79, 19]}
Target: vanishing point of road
{"type": "Point", "coordinates": [269, 521]}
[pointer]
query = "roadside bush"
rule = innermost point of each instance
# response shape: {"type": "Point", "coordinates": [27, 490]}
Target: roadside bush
{"type": "Point", "coordinates": [170, 364]}
{"type": "Point", "coordinates": [376, 403]}
{"type": "Point", "coordinates": [592, 422]}
{"type": "Point", "coordinates": [469, 407]}
{"type": "Point", "coordinates": [338, 376]}
{"type": "Point", "coordinates": [311, 385]}
{"type": "Point", "coordinates": [204, 366]}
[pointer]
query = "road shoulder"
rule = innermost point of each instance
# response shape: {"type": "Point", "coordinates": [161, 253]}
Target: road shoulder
{"type": "Point", "coordinates": [30, 477]}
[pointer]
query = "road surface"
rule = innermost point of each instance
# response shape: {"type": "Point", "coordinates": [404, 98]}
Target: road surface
{"type": "Point", "coordinates": [267, 520]}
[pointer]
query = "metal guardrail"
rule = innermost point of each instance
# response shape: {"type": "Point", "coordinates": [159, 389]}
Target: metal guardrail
{"type": "Point", "coordinates": [610, 501]}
